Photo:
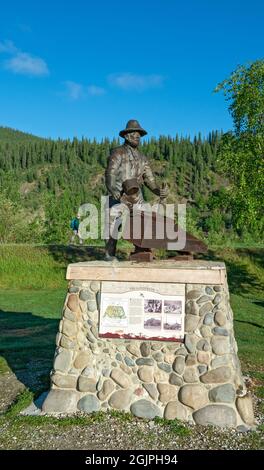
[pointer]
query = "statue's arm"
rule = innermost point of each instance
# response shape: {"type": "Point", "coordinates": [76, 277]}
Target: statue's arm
{"type": "Point", "coordinates": [114, 162]}
{"type": "Point", "coordinates": [149, 179]}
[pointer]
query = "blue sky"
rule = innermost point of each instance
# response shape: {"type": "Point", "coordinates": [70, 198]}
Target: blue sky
{"type": "Point", "coordinates": [83, 68]}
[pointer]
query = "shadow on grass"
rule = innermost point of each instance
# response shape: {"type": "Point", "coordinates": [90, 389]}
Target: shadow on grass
{"type": "Point", "coordinates": [28, 346]}
{"type": "Point", "coordinates": [255, 253]}
{"type": "Point", "coordinates": [75, 253]}
{"type": "Point", "coordinates": [240, 279]}
{"type": "Point", "coordinates": [250, 323]}
{"type": "Point", "coordinates": [259, 303]}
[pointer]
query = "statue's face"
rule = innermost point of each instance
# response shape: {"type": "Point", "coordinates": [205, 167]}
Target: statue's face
{"type": "Point", "coordinates": [133, 138]}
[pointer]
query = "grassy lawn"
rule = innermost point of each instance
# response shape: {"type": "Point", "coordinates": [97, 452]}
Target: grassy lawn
{"type": "Point", "coordinates": [245, 273]}
{"type": "Point", "coordinates": [29, 323]}
{"type": "Point", "coordinates": [28, 267]}
{"type": "Point", "coordinates": [33, 287]}
{"type": "Point", "coordinates": [249, 330]}
{"type": "Point", "coordinates": [32, 292]}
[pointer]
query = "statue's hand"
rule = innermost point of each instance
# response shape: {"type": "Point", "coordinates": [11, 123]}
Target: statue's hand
{"type": "Point", "coordinates": [116, 195]}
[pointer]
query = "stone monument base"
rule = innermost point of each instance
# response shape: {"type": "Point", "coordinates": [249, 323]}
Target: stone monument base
{"type": "Point", "coordinates": [197, 380]}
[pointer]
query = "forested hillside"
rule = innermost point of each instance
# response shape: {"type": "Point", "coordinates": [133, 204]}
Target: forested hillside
{"type": "Point", "coordinates": [8, 135]}
{"type": "Point", "coordinates": [44, 181]}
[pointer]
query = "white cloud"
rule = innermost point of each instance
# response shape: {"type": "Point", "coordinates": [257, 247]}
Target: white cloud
{"type": "Point", "coordinates": [8, 47]}
{"type": "Point", "coordinates": [95, 90]}
{"type": "Point", "coordinates": [74, 90]}
{"type": "Point", "coordinates": [129, 81]}
{"type": "Point", "coordinates": [22, 62]}
{"type": "Point", "coordinates": [26, 64]}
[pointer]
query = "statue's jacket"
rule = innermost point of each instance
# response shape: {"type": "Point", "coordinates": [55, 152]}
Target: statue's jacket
{"type": "Point", "coordinates": [126, 162]}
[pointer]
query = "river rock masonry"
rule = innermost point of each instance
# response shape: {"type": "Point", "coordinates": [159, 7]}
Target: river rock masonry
{"type": "Point", "coordinates": [198, 380]}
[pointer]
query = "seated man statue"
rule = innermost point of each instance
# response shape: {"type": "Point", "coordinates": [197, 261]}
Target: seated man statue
{"type": "Point", "coordinates": [126, 172]}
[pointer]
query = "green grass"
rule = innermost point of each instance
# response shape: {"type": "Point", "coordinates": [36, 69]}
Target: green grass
{"type": "Point", "coordinates": [245, 271]}
{"type": "Point", "coordinates": [173, 426]}
{"type": "Point", "coordinates": [33, 289]}
{"type": "Point", "coordinates": [259, 391]}
{"type": "Point", "coordinates": [259, 375]}
{"type": "Point", "coordinates": [245, 274]}
{"type": "Point", "coordinates": [25, 398]}
{"type": "Point", "coordinates": [249, 330]}
{"type": "Point", "coordinates": [29, 324]}
{"type": "Point", "coordinates": [121, 415]}
{"type": "Point", "coordinates": [38, 421]}
{"type": "Point", "coordinates": [22, 401]}
{"type": "Point", "coordinates": [29, 267]}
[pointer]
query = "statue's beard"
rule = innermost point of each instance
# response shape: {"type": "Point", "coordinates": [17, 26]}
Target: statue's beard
{"type": "Point", "coordinates": [132, 143]}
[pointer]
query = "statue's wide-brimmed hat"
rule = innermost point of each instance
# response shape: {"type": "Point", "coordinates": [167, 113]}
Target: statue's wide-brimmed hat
{"type": "Point", "coordinates": [132, 126]}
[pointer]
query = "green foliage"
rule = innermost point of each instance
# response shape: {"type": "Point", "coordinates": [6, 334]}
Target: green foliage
{"type": "Point", "coordinates": [58, 215]}
{"type": "Point", "coordinates": [10, 135]}
{"type": "Point", "coordinates": [214, 222]}
{"type": "Point", "coordinates": [121, 415]}
{"type": "Point", "coordinates": [44, 182]}
{"type": "Point", "coordinates": [241, 155]}
{"type": "Point", "coordinates": [22, 401]}
{"type": "Point", "coordinates": [17, 224]}
{"type": "Point", "coordinates": [244, 163]}
{"type": "Point", "coordinates": [173, 426]}
{"type": "Point", "coordinates": [245, 89]}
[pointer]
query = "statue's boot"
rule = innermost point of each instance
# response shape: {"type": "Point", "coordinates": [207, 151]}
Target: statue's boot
{"type": "Point", "coordinates": [110, 250]}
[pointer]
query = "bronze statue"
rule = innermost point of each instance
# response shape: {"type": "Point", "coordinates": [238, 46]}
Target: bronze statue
{"type": "Point", "coordinates": [126, 172]}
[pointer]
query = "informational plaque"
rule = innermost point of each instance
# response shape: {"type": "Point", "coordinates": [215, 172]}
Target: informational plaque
{"type": "Point", "coordinates": [138, 310]}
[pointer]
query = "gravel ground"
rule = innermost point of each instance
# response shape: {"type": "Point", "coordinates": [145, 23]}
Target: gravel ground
{"type": "Point", "coordinates": [116, 432]}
